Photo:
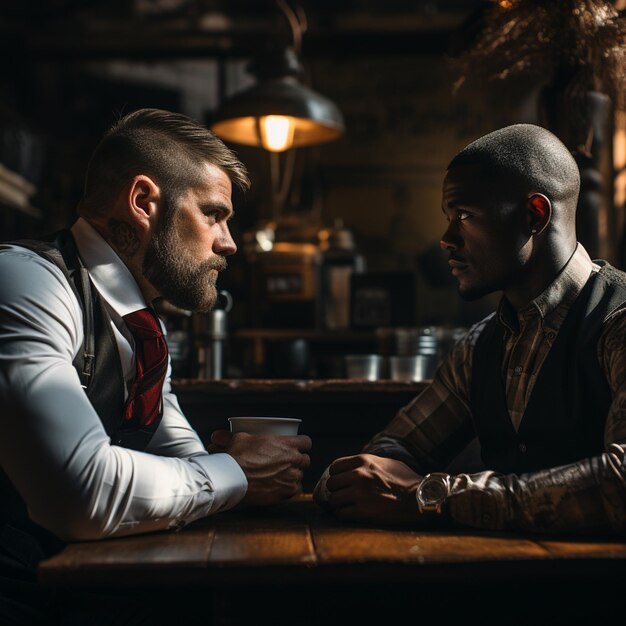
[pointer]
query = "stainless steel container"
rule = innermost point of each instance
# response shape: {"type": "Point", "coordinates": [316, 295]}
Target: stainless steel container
{"type": "Point", "coordinates": [211, 332]}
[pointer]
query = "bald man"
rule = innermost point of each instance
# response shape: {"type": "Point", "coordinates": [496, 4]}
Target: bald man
{"type": "Point", "coordinates": [541, 382]}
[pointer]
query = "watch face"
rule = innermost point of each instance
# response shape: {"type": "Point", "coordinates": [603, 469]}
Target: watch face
{"type": "Point", "coordinates": [433, 490]}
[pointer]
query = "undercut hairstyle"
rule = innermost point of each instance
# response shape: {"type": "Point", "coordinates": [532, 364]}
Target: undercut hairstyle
{"type": "Point", "coordinates": [527, 159]}
{"type": "Point", "coordinates": [169, 147]}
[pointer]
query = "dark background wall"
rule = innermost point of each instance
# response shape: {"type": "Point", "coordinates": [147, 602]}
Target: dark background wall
{"type": "Point", "coordinates": [69, 68]}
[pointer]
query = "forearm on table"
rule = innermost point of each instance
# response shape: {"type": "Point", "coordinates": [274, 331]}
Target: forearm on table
{"type": "Point", "coordinates": [79, 486]}
{"type": "Point", "coordinates": [430, 431]}
{"type": "Point", "coordinates": [425, 445]}
{"type": "Point", "coordinates": [392, 448]}
{"type": "Point", "coordinates": [587, 496]}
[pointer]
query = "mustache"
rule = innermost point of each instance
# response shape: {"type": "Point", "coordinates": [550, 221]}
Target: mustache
{"type": "Point", "coordinates": [218, 263]}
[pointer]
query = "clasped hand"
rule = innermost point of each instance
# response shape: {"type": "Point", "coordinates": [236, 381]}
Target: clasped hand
{"type": "Point", "coordinates": [273, 465]}
{"type": "Point", "coordinates": [369, 488]}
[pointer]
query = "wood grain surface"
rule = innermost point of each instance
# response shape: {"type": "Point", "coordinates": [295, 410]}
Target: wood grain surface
{"type": "Point", "coordinates": [298, 542]}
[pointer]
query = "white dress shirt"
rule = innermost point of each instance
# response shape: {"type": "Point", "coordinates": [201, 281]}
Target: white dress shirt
{"type": "Point", "coordinates": [53, 445]}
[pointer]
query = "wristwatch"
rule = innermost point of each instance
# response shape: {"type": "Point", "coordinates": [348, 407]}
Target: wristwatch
{"type": "Point", "coordinates": [432, 492]}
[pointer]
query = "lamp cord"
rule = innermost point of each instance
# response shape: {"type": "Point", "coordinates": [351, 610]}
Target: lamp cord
{"type": "Point", "coordinates": [280, 188]}
{"type": "Point", "coordinates": [297, 22]}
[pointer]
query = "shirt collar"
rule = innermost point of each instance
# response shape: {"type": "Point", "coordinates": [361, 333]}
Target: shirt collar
{"type": "Point", "coordinates": [558, 295]}
{"type": "Point", "coordinates": [108, 272]}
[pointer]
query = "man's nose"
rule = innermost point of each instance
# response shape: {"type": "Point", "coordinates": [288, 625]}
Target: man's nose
{"type": "Point", "coordinates": [224, 243]}
{"type": "Point", "coordinates": [450, 239]}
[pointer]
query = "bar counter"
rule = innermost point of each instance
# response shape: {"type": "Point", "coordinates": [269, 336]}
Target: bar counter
{"type": "Point", "coordinates": [339, 415]}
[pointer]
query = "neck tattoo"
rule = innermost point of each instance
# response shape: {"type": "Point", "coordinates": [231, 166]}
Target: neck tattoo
{"type": "Point", "coordinates": [124, 237]}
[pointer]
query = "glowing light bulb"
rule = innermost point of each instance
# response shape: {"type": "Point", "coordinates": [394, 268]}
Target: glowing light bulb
{"type": "Point", "coordinates": [276, 132]}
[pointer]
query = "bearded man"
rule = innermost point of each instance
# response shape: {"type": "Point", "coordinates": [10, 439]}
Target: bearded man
{"type": "Point", "coordinates": [93, 443]}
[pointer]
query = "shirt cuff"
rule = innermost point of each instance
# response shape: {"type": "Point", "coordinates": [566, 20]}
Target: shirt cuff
{"type": "Point", "coordinates": [227, 479]}
{"type": "Point", "coordinates": [478, 500]}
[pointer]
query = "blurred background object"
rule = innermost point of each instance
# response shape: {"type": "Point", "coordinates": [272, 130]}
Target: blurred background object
{"type": "Point", "coordinates": [364, 366]}
{"type": "Point", "coordinates": [575, 51]}
{"type": "Point", "coordinates": [338, 237]}
{"type": "Point", "coordinates": [210, 335]}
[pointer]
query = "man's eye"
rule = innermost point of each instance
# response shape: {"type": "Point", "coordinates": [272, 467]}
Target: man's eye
{"type": "Point", "coordinates": [462, 215]}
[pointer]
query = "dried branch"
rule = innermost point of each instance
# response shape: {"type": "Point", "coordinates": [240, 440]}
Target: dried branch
{"type": "Point", "coordinates": [583, 42]}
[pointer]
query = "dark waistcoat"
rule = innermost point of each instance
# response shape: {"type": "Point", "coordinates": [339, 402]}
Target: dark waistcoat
{"type": "Point", "coordinates": [566, 413]}
{"type": "Point", "coordinates": [99, 367]}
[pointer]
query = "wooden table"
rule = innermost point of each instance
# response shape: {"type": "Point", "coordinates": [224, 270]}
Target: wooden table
{"type": "Point", "coordinates": [302, 553]}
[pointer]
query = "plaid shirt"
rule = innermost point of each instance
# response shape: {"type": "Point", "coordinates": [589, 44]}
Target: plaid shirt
{"type": "Point", "coordinates": [589, 495]}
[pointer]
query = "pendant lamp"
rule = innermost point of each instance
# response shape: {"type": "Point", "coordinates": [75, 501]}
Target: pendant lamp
{"type": "Point", "coordinates": [278, 112]}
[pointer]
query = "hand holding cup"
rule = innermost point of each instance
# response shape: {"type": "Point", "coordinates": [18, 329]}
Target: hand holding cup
{"type": "Point", "coordinates": [271, 454]}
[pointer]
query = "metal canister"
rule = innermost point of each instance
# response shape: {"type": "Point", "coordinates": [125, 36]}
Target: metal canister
{"type": "Point", "coordinates": [211, 332]}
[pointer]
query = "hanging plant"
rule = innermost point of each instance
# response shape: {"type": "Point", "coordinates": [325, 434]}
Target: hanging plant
{"type": "Point", "coordinates": [575, 46]}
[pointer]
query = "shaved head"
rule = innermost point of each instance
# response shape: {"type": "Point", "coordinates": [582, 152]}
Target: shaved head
{"type": "Point", "coordinates": [510, 200]}
{"type": "Point", "coordinates": [524, 159]}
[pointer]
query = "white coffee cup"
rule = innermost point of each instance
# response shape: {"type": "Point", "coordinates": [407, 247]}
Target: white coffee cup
{"type": "Point", "coordinates": [265, 425]}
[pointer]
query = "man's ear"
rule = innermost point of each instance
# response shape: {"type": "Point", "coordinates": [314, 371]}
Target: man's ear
{"type": "Point", "coordinates": [538, 213]}
{"type": "Point", "coordinates": [142, 200]}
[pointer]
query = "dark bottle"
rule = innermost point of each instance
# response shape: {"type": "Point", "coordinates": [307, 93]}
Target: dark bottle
{"type": "Point", "coordinates": [339, 261]}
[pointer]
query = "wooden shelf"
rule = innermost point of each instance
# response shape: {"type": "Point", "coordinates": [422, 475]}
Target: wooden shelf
{"type": "Point", "coordinates": [311, 334]}
{"type": "Point", "coordinates": [329, 387]}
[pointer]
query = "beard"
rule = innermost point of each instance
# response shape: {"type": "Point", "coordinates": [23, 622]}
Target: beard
{"type": "Point", "coordinates": [183, 281]}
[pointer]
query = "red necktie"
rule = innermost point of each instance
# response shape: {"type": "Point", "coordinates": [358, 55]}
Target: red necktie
{"type": "Point", "coordinates": [145, 395]}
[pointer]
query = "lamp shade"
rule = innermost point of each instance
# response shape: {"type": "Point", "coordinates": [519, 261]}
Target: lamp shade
{"type": "Point", "coordinates": [312, 118]}
{"type": "Point", "coordinates": [316, 119]}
